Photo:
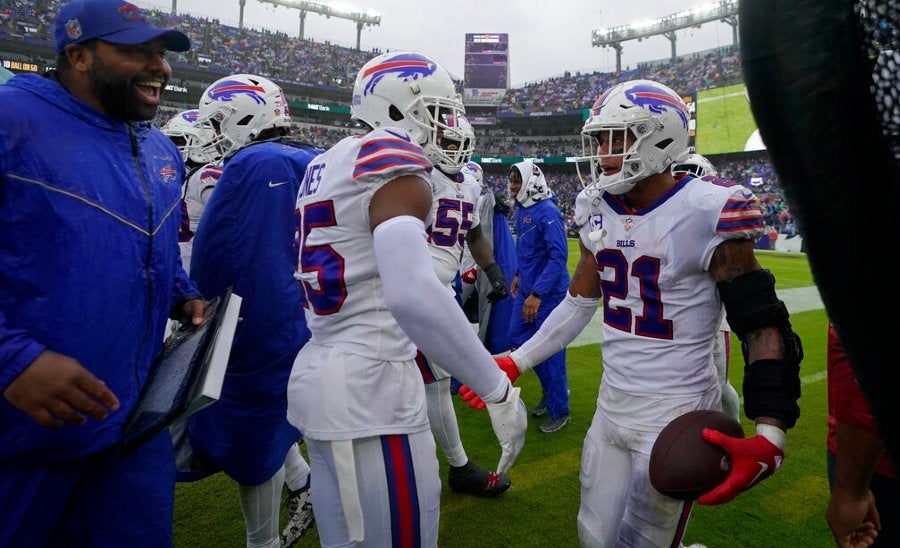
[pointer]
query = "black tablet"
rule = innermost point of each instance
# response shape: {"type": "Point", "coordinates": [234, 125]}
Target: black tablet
{"type": "Point", "coordinates": [181, 379]}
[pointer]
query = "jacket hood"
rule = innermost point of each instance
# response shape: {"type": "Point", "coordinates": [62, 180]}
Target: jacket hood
{"type": "Point", "coordinates": [534, 185]}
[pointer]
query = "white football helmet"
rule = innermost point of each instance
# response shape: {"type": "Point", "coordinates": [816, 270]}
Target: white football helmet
{"type": "Point", "coordinates": [656, 118]}
{"type": "Point", "coordinates": [534, 185]}
{"type": "Point", "coordinates": [188, 136]}
{"type": "Point", "coordinates": [475, 170]}
{"type": "Point", "coordinates": [457, 143]}
{"type": "Point", "coordinates": [412, 92]}
{"type": "Point", "coordinates": [695, 164]}
{"type": "Point", "coordinates": [238, 108]}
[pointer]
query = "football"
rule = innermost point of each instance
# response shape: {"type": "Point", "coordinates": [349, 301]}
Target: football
{"type": "Point", "coordinates": [685, 466]}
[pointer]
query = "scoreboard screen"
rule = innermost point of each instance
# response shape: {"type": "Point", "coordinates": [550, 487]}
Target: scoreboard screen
{"type": "Point", "coordinates": [487, 61]}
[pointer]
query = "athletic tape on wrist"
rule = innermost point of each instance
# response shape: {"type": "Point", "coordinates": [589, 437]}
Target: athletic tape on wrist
{"type": "Point", "coordinates": [775, 435]}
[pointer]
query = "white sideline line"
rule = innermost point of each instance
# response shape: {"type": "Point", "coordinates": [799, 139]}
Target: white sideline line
{"type": "Point", "coordinates": [719, 97]}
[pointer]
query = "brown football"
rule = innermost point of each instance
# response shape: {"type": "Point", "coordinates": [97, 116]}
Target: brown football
{"type": "Point", "coordinates": [685, 466]}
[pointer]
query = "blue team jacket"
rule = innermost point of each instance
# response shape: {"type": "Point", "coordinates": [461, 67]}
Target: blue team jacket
{"type": "Point", "coordinates": [89, 262]}
{"type": "Point", "coordinates": [245, 239]}
{"type": "Point", "coordinates": [541, 249]}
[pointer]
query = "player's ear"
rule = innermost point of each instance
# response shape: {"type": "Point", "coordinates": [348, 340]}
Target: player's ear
{"type": "Point", "coordinates": [81, 56]}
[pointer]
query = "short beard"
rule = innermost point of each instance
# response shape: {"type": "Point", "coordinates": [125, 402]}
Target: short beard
{"type": "Point", "coordinates": [117, 95]}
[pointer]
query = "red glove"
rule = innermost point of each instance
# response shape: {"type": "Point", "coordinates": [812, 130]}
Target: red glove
{"type": "Point", "coordinates": [506, 364]}
{"type": "Point", "coordinates": [752, 460]}
{"type": "Point", "coordinates": [469, 276]}
{"type": "Point", "coordinates": [469, 395]}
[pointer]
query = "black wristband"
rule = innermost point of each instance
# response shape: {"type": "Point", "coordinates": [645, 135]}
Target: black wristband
{"type": "Point", "coordinates": [533, 294]}
{"type": "Point", "coordinates": [494, 273]}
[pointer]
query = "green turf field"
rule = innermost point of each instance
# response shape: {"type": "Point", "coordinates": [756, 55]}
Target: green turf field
{"type": "Point", "coordinates": [787, 510]}
{"type": "Point", "coordinates": [724, 120]}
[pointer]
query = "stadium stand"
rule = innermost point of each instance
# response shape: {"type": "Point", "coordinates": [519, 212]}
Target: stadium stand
{"type": "Point", "coordinates": [317, 78]}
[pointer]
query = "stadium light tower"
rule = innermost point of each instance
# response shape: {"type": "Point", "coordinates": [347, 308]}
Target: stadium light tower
{"type": "Point", "coordinates": [361, 18]}
{"type": "Point", "coordinates": [724, 11]}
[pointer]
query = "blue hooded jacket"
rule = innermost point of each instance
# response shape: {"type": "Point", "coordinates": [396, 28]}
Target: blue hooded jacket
{"type": "Point", "coordinates": [89, 261]}
{"type": "Point", "coordinates": [246, 240]}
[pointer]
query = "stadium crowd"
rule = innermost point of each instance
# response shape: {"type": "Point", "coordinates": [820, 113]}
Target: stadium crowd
{"type": "Point", "coordinates": [288, 59]}
{"type": "Point", "coordinates": [692, 72]}
{"type": "Point", "coordinates": [750, 169]}
{"type": "Point", "coordinates": [225, 49]}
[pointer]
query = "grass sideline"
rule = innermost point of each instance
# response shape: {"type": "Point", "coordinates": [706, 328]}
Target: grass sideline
{"type": "Point", "coordinates": [540, 509]}
{"type": "Point", "coordinates": [724, 120]}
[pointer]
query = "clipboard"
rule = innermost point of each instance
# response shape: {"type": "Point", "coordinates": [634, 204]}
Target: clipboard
{"type": "Point", "coordinates": [186, 375]}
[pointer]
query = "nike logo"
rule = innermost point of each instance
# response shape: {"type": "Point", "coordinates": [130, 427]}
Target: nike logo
{"type": "Point", "coordinates": [273, 185]}
{"type": "Point", "coordinates": [403, 136]}
{"type": "Point", "coordinates": [763, 467]}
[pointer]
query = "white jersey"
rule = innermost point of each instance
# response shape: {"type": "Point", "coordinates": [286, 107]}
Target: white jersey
{"type": "Point", "coordinates": [484, 208]}
{"type": "Point", "coordinates": [661, 308]}
{"type": "Point", "coordinates": [357, 376]}
{"type": "Point", "coordinates": [337, 267]}
{"type": "Point", "coordinates": [453, 214]}
{"type": "Point", "coordinates": [197, 190]}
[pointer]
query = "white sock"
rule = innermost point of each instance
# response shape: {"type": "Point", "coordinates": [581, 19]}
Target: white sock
{"type": "Point", "coordinates": [444, 426]}
{"type": "Point", "coordinates": [261, 506]}
{"type": "Point", "coordinates": [296, 469]}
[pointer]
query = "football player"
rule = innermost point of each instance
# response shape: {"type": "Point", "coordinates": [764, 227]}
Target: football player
{"type": "Point", "coordinates": [245, 240]}
{"type": "Point", "coordinates": [699, 166]}
{"type": "Point", "coordinates": [456, 228]}
{"type": "Point", "coordinates": [372, 299]}
{"type": "Point", "coordinates": [201, 174]}
{"type": "Point", "coordinates": [494, 304]}
{"type": "Point", "coordinates": [663, 256]}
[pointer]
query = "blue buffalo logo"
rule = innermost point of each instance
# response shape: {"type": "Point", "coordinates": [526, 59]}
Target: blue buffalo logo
{"type": "Point", "coordinates": [408, 66]}
{"type": "Point", "coordinates": [657, 100]}
{"type": "Point", "coordinates": [167, 174]}
{"type": "Point", "coordinates": [229, 89]}
{"type": "Point", "coordinates": [190, 116]}
{"type": "Point", "coordinates": [130, 12]}
{"type": "Point", "coordinates": [601, 100]}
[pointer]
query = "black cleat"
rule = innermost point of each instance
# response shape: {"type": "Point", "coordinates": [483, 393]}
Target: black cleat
{"type": "Point", "coordinates": [472, 479]}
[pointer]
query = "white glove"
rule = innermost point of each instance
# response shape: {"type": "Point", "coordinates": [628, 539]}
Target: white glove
{"type": "Point", "coordinates": [509, 420]}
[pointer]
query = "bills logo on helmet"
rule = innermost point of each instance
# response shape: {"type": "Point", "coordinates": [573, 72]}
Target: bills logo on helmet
{"type": "Point", "coordinates": [404, 66]}
{"type": "Point", "coordinates": [190, 116]}
{"type": "Point", "coordinates": [657, 100]}
{"type": "Point", "coordinates": [229, 89]}
{"type": "Point", "coordinates": [130, 12]}
{"type": "Point", "coordinates": [598, 104]}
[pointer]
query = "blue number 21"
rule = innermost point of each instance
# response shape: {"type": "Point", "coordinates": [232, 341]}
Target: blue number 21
{"type": "Point", "coordinates": [651, 321]}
